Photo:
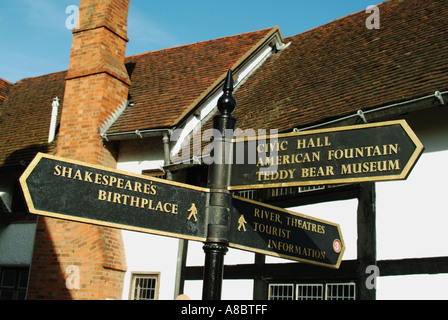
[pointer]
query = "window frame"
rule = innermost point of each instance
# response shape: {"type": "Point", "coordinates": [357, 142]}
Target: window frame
{"type": "Point", "coordinates": [16, 289]}
{"type": "Point", "coordinates": [348, 290]}
{"type": "Point", "coordinates": [144, 275]}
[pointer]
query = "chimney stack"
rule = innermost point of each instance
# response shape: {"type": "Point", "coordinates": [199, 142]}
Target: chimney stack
{"type": "Point", "coordinates": [97, 80]}
{"type": "Point", "coordinates": [74, 260]}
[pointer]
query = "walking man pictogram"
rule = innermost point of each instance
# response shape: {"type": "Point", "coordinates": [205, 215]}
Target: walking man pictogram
{"type": "Point", "coordinates": [242, 223]}
{"type": "Point", "coordinates": [193, 213]}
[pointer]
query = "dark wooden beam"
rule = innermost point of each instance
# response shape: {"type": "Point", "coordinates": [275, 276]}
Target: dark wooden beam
{"type": "Point", "coordinates": [434, 265]}
{"type": "Point", "coordinates": [348, 270]}
{"type": "Point", "coordinates": [366, 245]}
{"type": "Point", "coordinates": [281, 272]}
{"type": "Point", "coordinates": [260, 291]}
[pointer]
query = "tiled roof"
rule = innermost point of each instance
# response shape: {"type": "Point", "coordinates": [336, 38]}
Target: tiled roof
{"type": "Point", "coordinates": [4, 89]}
{"type": "Point", "coordinates": [327, 72]}
{"type": "Point", "coordinates": [340, 67]}
{"type": "Point", "coordinates": [166, 84]}
{"type": "Point", "coordinates": [25, 120]}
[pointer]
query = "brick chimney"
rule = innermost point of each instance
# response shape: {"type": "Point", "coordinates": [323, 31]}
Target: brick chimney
{"type": "Point", "coordinates": [74, 260]}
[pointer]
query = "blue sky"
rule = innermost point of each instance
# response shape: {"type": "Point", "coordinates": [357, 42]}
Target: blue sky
{"type": "Point", "coordinates": [35, 40]}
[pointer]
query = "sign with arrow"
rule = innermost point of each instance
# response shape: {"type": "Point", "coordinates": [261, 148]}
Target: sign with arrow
{"type": "Point", "coordinates": [265, 229]}
{"type": "Point", "coordinates": [77, 191]}
{"type": "Point", "coordinates": [360, 153]}
{"type": "Point", "coordinates": [82, 192]}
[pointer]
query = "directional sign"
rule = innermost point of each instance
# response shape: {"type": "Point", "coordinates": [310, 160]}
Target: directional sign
{"type": "Point", "coordinates": [265, 229]}
{"type": "Point", "coordinates": [82, 192]}
{"type": "Point", "coordinates": [361, 153]}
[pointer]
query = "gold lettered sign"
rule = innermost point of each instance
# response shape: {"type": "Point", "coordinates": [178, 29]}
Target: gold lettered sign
{"type": "Point", "coordinates": [77, 191]}
{"type": "Point", "coordinates": [265, 229]}
{"type": "Point", "coordinates": [360, 153]}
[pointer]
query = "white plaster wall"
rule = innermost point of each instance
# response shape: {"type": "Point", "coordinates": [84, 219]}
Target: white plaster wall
{"type": "Point", "coordinates": [413, 287]}
{"type": "Point", "coordinates": [412, 215]}
{"type": "Point", "coordinates": [143, 154]}
{"type": "Point", "coordinates": [151, 253]}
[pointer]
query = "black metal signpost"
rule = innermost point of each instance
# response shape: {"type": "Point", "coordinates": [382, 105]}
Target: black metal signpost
{"type": "Point", "coordinates": [217, 242]}
{"type": "Point", "coordinates": [82, 192]}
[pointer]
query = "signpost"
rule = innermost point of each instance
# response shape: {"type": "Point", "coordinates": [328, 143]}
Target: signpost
{"type": "Point", "coordinates": [265, 229]}
{"type": "Point", "coordinates": [360, 153]}
{"type": "Point", "coordinates": [82, 192]}
{"type": "Point", "coordinates": [77, 191]}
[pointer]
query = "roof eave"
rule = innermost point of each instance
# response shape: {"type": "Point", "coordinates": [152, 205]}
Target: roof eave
{"type": "Point", "coordinates": [438, 99]}
{"type": "Point", "coordinates": [136, 134]}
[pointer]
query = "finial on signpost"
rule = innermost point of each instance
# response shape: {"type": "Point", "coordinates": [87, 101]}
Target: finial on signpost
{"type": "Point", "coordinates": [227, 103]}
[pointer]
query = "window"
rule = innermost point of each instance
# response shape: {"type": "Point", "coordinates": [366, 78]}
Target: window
{"type": "Point", "coordinates": [340, 291]}
{"type": "Point", "coordinates": [13, 283]}
{"type": "Point", "coordinates": [281, 292]}
{"type": "Point", "coordinates": [276, 192]}
{"type": "Point", "coordinates": [145, 286]}
{"type": "Point", "coordinates": [310, 188]}
{"type": "Point", "coordinates": [248, 194]}
{"type": "Point", "coordinates": [309, 291]}
{"type": "Point", "coordinates": [312, 291]}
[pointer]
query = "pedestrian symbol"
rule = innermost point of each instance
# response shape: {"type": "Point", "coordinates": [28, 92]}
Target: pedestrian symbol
{"type": "Point", "coordinates": [193, 213]}
{"type": "Point", "coordinates": [242, 223]}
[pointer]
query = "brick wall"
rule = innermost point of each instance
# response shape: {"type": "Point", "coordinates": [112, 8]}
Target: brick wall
{"type": "Point", "coordinates": [90, 258]}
